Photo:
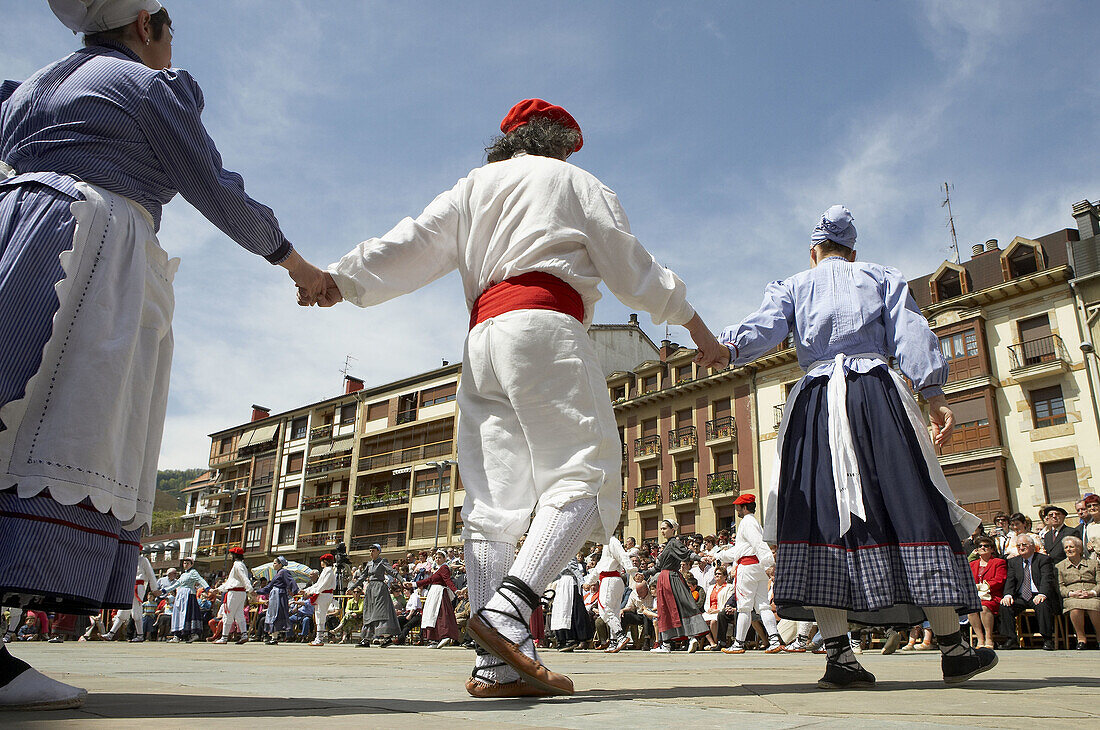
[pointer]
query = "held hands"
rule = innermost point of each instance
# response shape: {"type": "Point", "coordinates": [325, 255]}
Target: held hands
{"type": "Point", "coordinates": [712, 354]}
{"type": "Point", "coordinates": [315, 286]}
{"type": "Point", "coordinates": [943, 420]}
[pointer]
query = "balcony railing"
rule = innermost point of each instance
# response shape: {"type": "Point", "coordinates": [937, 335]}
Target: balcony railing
{"type": "Point", "coordinates": [405, 456]}
{"type": "Point", "coordinates": [208, 551]}
{"type": "Point", "coordinates": [721, 428]}
{"type": "Point", "coordinates": [325, 501]}
{"type": "Point", "coordinates": [316, 539]}
{"type": "Point", "coordinates": [328, 464]}
{"type": "Point", "coordinates": [228, 486]}
{"type": "Point", "coordinates": [320, 432]}
{"type": "Point", "coordinates": [647, 446]}
{"type": "Point", "coordinates": [1038, 351]}
{"type": "Point", "coordinates": [384, 540]}
{"type": "Point", "coordinates": [264, 480]}
{"type": "Point", "coordinates": [683, 489]}
{"type": "Point", "coordinates": [386, 499]}
{"type": "Point", "coordinates": [406, 416]}
{"type": "Point", "coordinates": [723, 482]}
{"type": "Point", "coordinates": [649, 496]}
{"type": "Point", "coordinates": [258, 514]}
{"type": "Point", "coordinates": [682, 438]}
{"type": "Point", "coordinates": [777, 414]}
{"type": "Point", "coordinates": [218, 518]}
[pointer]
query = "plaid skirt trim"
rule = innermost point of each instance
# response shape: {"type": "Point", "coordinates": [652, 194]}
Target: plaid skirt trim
{"type": "Point", "coordinates": [872, 579]}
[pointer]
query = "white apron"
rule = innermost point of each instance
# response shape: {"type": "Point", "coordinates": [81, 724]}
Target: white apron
{"type": "Point", "coordinates": [91, 421]}
{"type": "Point", "coordinates": [561, 611]}
{"type": "Point", "coordinates": [432, 604]}
{"type": "Point", "coordinates": [846, 477]}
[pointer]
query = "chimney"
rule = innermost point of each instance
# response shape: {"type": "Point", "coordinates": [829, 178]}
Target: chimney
{"type": "Point", "coordinates": [667, 348]}
{"type": "Point", "coordinates": [352, 384]}
{"type": "Point", "coordinates": [259, 413]}
{"type": "Point", "coordinates": [1088, 219]}
{"type": "Point", "coordinates": [976, 249]}
{"type": "Point", "coordinates": [633, 319]}
{"type": "Point", "coordinates": [991, 245]}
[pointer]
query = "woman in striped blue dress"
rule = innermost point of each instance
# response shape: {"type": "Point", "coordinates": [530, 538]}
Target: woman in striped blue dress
{"type": "Point", "coordinates": [91, 148]}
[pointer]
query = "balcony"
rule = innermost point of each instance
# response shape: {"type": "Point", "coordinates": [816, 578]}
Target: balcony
{"type": "Point", "coordinates": [226, 487]}
{"type": "Point", "coordinates": [224, 517]}
{"type": "Point", "coordinates": [624, 501]}
{"type": "Point", "coordinates": [213, 551]}
{"type": "Point", "coordinates": [647, 497]}
{"type": "Point", "coordinates": [318, 433]}
{"type": "Point", "coordinates": [385, 540]}
{"type": "Point", "coordinates": [682, 440]}
{"type": "Point", "coordinates": [324, 501]}
{"type": "Point", "coordinates": [777, 414]}
{"type": "Point", "coordinates": [683, 489]}
{"type": "Point", "coordinates": [384, 499]}
{"type": "Point", "coordinates": [406, 456]}
{"type": "Point", "coordinates": [1039, 358]}
{"type": "Point", "coordinates": [721, 430]}
{"type": "Point", "coordinates": [406, 416]}
{"type": "Point", "coordinates": [259, 514]}
{"type": "Point", "coordinates": [324, 466]}
{"type": "Point", "coordinates": [319, 539]}
{"type": "Point", "coordinates": [265, 480]}
{"type": "Point", "coordinates": [647, 448]}
{"type": "Point", "coordinates": [723, 484]}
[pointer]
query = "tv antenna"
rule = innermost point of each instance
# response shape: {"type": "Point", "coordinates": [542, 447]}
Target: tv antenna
{"type": "Point", "coordinates": [347, 364]}
{"type": "Point", "coordinates": [951, 221]}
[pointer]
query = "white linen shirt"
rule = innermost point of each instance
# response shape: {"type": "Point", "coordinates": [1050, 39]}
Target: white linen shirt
{"type": "Point", "coordinates": [526, 214]}
{"type": "Point", "coordinates": [238, 578]}
{"type": "Point", "coordinates": [325, 582]}
{"type": "Point", "coordinates": [614, 559]}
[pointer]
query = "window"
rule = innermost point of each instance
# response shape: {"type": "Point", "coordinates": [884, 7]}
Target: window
{"type": "Point", "coordinates": [1047, 406]}
{"type": "Point", "coordinates": [687, 522]}
{"type": "Point", "coordinates": [949, 285]}
{"type": "Point", "coordinates": [264, 471]}
{"type": "Point", "coordinates": [427, 482]}
{"type": "Point", "coordinates": [254, 537]}
{"type": "Point", "coordinates": [1022, 261]}
{"type": "Point", "coordinates": [456, 521]}
{"type": "Point", "coordinates": [721, 408]}
{"type": "Point", "coordinates": [290, 497]}
{"type": "Point", "coordinates": [286, 533]}
{"type": "Point", "coordinates": [649, 528]}
{"type": "Point", "coordinates": [683, 373]}
{"type": "Point", "coordinates": [649, 383]}
{"type": "Point", "coordinates": [978, 492]}
{"type": "Point", "coordinates": [298, 428]}
{"type": "Point", "coordinates": [378, 410]}
{"type": "Point", "coordinates": [1036, 343]}
{"type": "Point", "coordinates": [435, 396]}
{"type": "Point", "coordinates": [406, 408]}
{"type": "Point", "coordinates": [685, 469]}
{"type": "Point", "coordinates": [960, 344]}
{"type": "Point", "coordinates": [649, 476]}
{"type": "Point", "coordinates": [725, 516]}
{"type": "Point", "coordinates": [347, 414]}
{"type": "Point", "coordinates": [723, 461]}
{"type": "Point", "coordinates": [1060, 481]}
{"type": "Point", "coordinates": [257, 506]}
{"type": "Point", "coordinates": [970, 412]}
{"type": "Point", "coordinates": [423, 525]}
{"type": "Point", "coordinates": [683, 418]}
{"type": "Point", "coordinates": [649, 427]}
{"type": "Point", "coordinates": [294, 462]}
{"type": "Point", "coordinates": [618, 393]}
{"type": "Point", "coordinates": [224, 445]}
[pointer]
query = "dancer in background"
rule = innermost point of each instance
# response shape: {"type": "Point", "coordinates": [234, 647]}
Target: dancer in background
{"type": "Point", "coordinates": [320, 595]}
{"type": "Point", "coordinates": [145, 581]}
{"type": "Point", "coordinates": [866, 526]}
{"type": "Point", "coordinates": [751, 557]}
{"type": "Point", "coordinates": [186, 619]}
{"type": "Point", "coordinates": [235, 589]}
{"type": "Point", "coordinates": [379, 615]}
{"type": "Point", "coordinates": [532, 237]}
{"type": "Point", "coordinates": [278, 592]}
{"type": "Point", "coordinates": [613, 569]}
{"type": "Point", "coordinates": [678, 615]}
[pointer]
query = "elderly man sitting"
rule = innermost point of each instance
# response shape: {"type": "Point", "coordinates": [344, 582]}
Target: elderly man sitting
{"type": "Point", "coordinates": [1030, 583]}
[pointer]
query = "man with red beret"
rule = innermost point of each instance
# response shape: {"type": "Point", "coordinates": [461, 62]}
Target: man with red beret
{"type": "Point", "coordinates": [320, 595]}
{"type": "Point", "coordinates": [532, 237]}
{"type": "Point", "coordinates": [751, 557]}
{"type": "Point", "coordinates": [235, 589]}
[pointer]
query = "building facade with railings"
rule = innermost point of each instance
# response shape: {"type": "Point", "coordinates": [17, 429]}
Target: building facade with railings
{"type": "Point", "coordinates": [1016, 324]}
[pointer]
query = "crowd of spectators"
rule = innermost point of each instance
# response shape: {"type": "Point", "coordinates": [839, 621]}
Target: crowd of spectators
{"type": "Point", "coordinates": [1045, 570]}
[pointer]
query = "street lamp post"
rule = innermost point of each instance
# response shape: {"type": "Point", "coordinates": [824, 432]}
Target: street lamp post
{"type": "Point", "coordinates": [440, 467]}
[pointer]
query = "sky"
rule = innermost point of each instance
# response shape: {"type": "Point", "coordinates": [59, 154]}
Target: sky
{"type": "Point", "coordinates": [726, 128]}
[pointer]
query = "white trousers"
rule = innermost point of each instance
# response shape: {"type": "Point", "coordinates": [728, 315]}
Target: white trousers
{"type": "Point", "coordinates": [320, 613]}
{"type": "Point", "coordinates": [751, 589]}
{"type": "Point", "coordinates": [124, 615]}
{"type": "Point", "coordinates": [609, 600]}
{"type": "Point", "coordinates": [235, 602]}
{"type": "Point", "coordinates": [535, 426]}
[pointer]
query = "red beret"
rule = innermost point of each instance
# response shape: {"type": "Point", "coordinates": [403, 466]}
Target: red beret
{"type": "Point", "coordinates": [327, 556]}
{"type": "Point", "coordinates": [529, 109]}
{"type": "Point", "coordinates": [745, 499]}
{"type": "Point", "coordinates": [236, 551]}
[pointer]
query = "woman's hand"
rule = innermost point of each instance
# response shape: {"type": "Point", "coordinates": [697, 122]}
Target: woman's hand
{"type": "Point", "coordinates": [943, 420]}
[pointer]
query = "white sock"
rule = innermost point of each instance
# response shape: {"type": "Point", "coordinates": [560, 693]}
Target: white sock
{"type": "Point", "coordinates": [767, 617]}
{"type": "Point", "coordinates": [487, 562]}
{"type": "Point", "coordinates": [831, 621]}
{"type": "Point", "coordinates": [744, 622]}
{"type": "Point", "coordinates": [15, 615]}
{"type": "Point", "coordinates": [945, 621]}
{"type": "Point", "coordinates": [553, 539]}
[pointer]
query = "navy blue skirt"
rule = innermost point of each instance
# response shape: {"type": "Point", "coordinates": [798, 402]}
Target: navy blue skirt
{"type": "Point", "coordinates": [906, 554]}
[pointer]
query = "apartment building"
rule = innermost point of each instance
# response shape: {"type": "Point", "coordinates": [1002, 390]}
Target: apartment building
{"type": "Point", "coordinates": [1017, 326]}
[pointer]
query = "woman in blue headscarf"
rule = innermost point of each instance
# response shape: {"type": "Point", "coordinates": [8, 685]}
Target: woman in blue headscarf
{"type": "Point", "coordinates": [91, 148]}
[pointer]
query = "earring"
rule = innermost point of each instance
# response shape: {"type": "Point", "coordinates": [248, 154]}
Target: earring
{"type": "Point", "coordinates": [146, 41]}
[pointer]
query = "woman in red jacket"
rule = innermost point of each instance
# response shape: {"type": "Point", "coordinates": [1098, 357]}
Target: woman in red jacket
{"type": "Point", "coordinates": [990, 573]}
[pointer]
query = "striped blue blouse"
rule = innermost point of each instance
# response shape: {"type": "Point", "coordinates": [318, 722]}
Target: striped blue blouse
{"type": "Point", "coordinates": [101, 116]}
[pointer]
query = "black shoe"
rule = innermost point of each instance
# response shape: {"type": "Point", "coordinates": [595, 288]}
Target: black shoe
{"type": "Point", "coordinates": [270, 642]}
{"type": "Point", "coordinates": [839, 676]}
{"type": "Point", "coordinates": [1008, 645]}
{"type": "Point", "coordinates": [1080, 645]}
{"type": "Point", "coordinates": [958, 669]}
{"type": "Point", "coordinates": [1048, 646]}
{"type": "Point", "coordinates": [192, 638]}
{"type": "Point", "coordinates": [364, 644]}
{"type": "Point", "coordinates": [242, 640]}
{"type": "Point", "coordinates": [137, 640]}
{"type": "Point", "coordinates": [386, 642]}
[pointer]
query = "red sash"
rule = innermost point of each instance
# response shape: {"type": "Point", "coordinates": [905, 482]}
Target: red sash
{"type": "Point", "coordinates": [313, 597]}
{"type": "Point", "coordinates": [612, 574]}
{"type": "Point", "coordinates": [748, 560]}
{"type": "Point", "coordinates": [533, 290]}
{"type": "Point", "coordinates": [236, 590]}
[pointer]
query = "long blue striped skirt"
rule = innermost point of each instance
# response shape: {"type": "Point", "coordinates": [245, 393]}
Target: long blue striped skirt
{"type": "Point", "coordinates": [906, 554]}
{"type": "Point", "coordinates": [67, 558]}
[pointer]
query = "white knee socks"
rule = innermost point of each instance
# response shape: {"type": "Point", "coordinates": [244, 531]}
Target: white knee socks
{"type": "Point", "coordinates": [744, 621]}
{"type": "Point", "coordinates": [833, 622]}
{"type": "Point", "coordinates": [553, 539]}
{"type": "Point", "coordinates": [487, 562]}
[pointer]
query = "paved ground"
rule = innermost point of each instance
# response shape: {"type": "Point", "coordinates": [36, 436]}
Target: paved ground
{"type": "Point", "coordinates": [201, 685]}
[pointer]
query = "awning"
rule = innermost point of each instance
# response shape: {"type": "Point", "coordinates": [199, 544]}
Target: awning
{"type": "Point", "coordinates": [333, 447]}
{"type": "Point", "coordinates": [257, 436]}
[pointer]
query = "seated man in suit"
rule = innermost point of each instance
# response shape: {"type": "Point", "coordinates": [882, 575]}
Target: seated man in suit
{"type": "Point", "coordinates": [1055, 519]}
{"type": "Point", "coordinates": [1031, 584]}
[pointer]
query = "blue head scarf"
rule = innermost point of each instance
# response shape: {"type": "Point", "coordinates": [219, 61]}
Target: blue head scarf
{"type": "Point", "coordinates": [836, 225]}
